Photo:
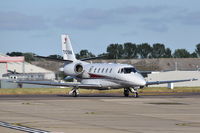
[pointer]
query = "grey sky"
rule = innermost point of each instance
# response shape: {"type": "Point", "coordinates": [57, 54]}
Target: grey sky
{"type": "Point", "coordinates": [36, 25]}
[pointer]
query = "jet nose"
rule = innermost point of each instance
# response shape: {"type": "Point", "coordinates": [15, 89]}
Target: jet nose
{"type": "Point", "coordinates": [142, 82]}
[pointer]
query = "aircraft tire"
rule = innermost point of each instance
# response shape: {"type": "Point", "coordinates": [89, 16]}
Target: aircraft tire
{"type": "Point", "coordinates": [136, 95]}
{"type": "Point", "coordinates": [126, 92]}
{"type": "Point", "coordinates": [74, 94]}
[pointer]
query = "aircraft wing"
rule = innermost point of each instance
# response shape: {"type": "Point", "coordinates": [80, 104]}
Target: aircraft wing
{"type": "Point", "coordinates": [51, 83]}
{"type": "Point", "coordinates": [53, 59]}
{"type": "Point", "coordinates": [91, 58]}
{"type": "Point", "coordinates": [169, 81]}
{"type": "Point", "coordinates": [62, 60]}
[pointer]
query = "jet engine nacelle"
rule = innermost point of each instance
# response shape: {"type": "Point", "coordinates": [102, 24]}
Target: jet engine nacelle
{"type": "Point", "coordinates": [73, 69]}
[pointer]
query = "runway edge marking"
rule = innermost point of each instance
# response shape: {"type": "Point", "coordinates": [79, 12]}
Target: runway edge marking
{"type": "Point", "coordinates": [22, 128]}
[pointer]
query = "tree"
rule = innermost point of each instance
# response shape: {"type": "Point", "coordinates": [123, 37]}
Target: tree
{"type": "Point", "coordinates": [144, 50]}
{"type": "Point", "coordinates": [181, 53]}
{"type": "Point", "coordinates": [130, 50]}
{"type": "Point", "coordinates": [103, 56]}
{"type": "Point", "coordinates": [115, 51]}
{"type": "Point", "coordinates": [15, 54]}
{"type": "Point", "coordinates": [168, 53]}
{"type": "Point", "coordinates": [28, 56]}
{"type": "Point", "coordinates": [55, 56]}
{"type": "Point", "coordinates": [84, 54]}
{"type": "Point", "coordinates": [193, 55]}
{"type": "Point", "coordinates": [197, 50]}
{"type": "Point", "coordinates": [158, 50]}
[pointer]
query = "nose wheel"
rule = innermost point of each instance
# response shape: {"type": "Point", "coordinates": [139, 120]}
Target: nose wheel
{"type": "Point", "coordinates": [132, 90]}
{"type": "Point", "coordinates": [136, 94]}
{"type": "Point", "coordinates": [74, 92]}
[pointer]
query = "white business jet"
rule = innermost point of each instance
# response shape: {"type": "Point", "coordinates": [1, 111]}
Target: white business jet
{"type": "Point", "coordinates": [101, 76]}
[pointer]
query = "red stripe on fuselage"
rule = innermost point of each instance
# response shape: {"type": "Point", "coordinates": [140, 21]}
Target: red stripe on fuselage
{"type": "Point", "coordinates": [95, 76]}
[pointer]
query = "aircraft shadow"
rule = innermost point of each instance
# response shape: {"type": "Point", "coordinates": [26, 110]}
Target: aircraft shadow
{"type": "Point", "coordinates": [93, 95]}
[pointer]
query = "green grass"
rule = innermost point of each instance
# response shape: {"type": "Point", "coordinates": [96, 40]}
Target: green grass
{"type": "Point", "coordinates": [150, 90]}
{"type": "Point", "coordinates": [175, 90]}
{"type": "Point", "coordinates": [27, 91]}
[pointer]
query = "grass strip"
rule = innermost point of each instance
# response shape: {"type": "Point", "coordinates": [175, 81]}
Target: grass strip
{"type": "Point", "coordinates": [145, 91]}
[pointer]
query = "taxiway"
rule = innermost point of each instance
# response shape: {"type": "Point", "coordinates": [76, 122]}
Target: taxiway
{"type": "Point", "coordinates": [148, 114]}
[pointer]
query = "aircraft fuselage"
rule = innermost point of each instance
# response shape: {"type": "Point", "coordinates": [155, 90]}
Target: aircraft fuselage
{"type": "Point", "coordinates": [107, 75]}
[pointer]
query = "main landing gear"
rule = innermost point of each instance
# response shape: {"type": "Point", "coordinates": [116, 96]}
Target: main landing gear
{"type": "Point", "coordinates": [132, 90]}
{"type": "Point", "coordinates": [74, 92]}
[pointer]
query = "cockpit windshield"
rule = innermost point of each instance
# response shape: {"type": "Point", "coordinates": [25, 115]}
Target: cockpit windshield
{"type": "Point", "coordinates": [127, 70]}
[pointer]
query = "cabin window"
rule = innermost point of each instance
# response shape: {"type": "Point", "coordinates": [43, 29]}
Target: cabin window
{"type": "Point", "coordinates": [102, 70]}
{"type": "Point", "coordinates": [119, 71]}
{"type": "Point", "coordinates": [99, 70]}
{"type": "Point", "coordinates": [110, 70]}
{"type": "Point", "coordinates": [90, 70]}
{"type": "Point", "coordinates": [95, 70]}
{"type": "Point", "coordinates": [106, 70]}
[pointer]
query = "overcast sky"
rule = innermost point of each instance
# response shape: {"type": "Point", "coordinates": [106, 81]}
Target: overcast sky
{"type": "Point", "coordinates": [36, 25]}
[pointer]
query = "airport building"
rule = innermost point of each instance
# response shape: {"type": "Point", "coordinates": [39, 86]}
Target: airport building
{"type": "Point", "coordinates": [175, 75]}
{"type": "Point", "coordinates": [17, 68]}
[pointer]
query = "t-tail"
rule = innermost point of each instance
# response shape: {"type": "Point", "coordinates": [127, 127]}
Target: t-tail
{"type": "Point", "coordinates": [68, 53]}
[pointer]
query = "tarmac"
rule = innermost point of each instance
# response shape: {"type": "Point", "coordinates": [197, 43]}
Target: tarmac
{"type": "Point", "coordinates": [102, 114]}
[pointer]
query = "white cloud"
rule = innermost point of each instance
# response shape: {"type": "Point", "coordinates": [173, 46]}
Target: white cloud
{"type": "Point", "coordinates": [95, 18]}
{"type": "Point", "coordinates": [189, 18]}
{"type": "Point", "coordinates": [21, 22]}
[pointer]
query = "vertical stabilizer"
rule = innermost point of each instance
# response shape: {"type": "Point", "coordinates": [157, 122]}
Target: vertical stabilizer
{"type": "Point", "coordinates": [68, 53]}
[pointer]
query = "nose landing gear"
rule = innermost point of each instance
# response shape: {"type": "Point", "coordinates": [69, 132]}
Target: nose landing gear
{"type": "Point", "coordinates": [132, 90]}
{"type": "Point", "coordinates": [74, 92]}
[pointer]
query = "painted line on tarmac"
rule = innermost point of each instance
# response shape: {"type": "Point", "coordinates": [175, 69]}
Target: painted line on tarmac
{"type": "Point", "coordinates": [22, 128]}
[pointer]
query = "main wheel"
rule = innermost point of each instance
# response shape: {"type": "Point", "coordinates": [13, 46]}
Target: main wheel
{"type": "Point", "coordinates": [74, 93]}
{"type": "Point", "coordinates": [126, 92]}
{"type": "Point", "coordinates": [136, 94]}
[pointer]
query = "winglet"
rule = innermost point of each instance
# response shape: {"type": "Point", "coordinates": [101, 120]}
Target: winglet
{"type": "Point", "coordinates": [194, 79]}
